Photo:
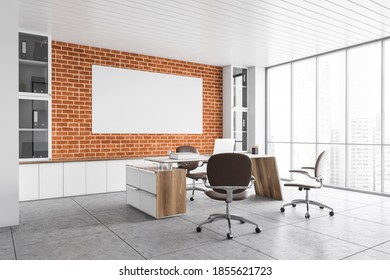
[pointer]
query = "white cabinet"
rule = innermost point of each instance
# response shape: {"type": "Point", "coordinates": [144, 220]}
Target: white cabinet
{"type": "Point", "coordinates": [148, 181]}
{"type": "Point", "coordinates": [116, 175]}
{"type": "Point", "coordinates": [141, 190]}
{"type": "Point", "coordinates": [159, 193]}
{"type": "Point", "coordinates": [59, 179]}
{"type": "Point", "coordinates": [96, 172]}
{"type": "Point", "coordinates": [133, 196]}
{"type": "Point", "coordinates": [133, 178]}
{"type": "Point", "coordinates": [51, 180]}
{"type": "Point", "coordinates": [148, 203]}
{"type": "Point", "coordinates": [28, 182]}
{"type": "Point", "coordinates": [74, 178]}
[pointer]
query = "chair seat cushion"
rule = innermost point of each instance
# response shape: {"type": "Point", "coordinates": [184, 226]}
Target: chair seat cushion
{"type": "Point", "coordinates": [196, 176]}
{"type": "Point", "coordinates": [303, 184]}
{"type": "Point", "coordinates": [221, 196]}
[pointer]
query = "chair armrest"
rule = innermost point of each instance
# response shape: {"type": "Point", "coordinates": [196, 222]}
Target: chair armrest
{"type": "Point", "coordinates": [303, 172]}
{"type": "Point", "coordinates": [205, 182]}
{"type": "Point", "coordinates": [308, 167]}
{"type": "Point", "coordinates": [299, 171]}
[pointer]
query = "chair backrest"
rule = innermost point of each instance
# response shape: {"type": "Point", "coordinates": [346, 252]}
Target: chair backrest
{"type": "Point", "coordinates": [320, 166]}
{"type": "Point", "coordinates": [190, 165]}
{"type": "Point", "coordinates": [229, 169]}
{"type": "Point", "coordinates": [224, 145]}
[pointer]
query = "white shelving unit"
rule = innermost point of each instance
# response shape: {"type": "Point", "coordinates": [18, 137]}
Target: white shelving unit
{"type": "Point", "coordinates": [235, 106]}
{"type": "Point", "coordinates": [34, 97]}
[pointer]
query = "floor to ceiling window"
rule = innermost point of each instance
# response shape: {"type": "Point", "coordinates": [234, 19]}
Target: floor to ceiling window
{"type": "Point", "coordinates": [332, 114]}
{"type": "Point", "coordinates": [338, 102]}
{"type": "Point", "coordinates": [279, 133]}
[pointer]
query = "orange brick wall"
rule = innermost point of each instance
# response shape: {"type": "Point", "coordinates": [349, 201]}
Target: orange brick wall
{"type": "Point", "coordinates": [72, 136]}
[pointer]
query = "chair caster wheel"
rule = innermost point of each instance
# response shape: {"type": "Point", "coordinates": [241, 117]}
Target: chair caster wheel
{"type": "Point", "coordinates": [191, 198]}
{"type": "Point", "coordinates": [198, 229]}
{"type": "Point", "coordinates": [307, 215]}
{"type": "Point", "coordinates": [282, 209]}
{"type": "Point", "coordinates": [331, 213]}
{"type": "Point", "coordinates": [229, 236]}
{"type": "Point", "coordinates": [294, 205]}
{"type": "Point", "coordinates": [258, 230]}
{"type": "Point", "coordinates": [321, 207]}
{"type": "Point", "coordinates": [242, 222]}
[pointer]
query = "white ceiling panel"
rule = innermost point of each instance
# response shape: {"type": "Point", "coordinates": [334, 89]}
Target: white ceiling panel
{"type": "Point", "coordinates": [216, 32]}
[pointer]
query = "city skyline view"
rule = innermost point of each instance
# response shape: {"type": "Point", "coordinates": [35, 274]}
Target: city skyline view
{"type": "Point", "coordinates": [337, 102]}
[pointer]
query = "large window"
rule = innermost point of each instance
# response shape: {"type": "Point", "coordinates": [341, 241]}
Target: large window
{"type": "Point", "coordinates": [332, 114]}
{"type": "Point", "coordinates": [386, 118]}
{"type": "Point", "coordinates": [338, 102]}
{"type": "Point", "coordinates": [304, 101]}
{"type": "Point", "coordinates": [280, 116]}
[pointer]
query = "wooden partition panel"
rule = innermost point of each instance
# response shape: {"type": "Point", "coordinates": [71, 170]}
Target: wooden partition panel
{"type": "Point", "coordinates": [171, 192]}
{"type": "Point", "coordinates": [265, 170]}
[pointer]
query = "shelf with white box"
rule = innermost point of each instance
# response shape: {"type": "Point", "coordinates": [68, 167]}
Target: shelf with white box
{"type": "Point", "coordinates": [235, 106]}
{"type": "Point", "coordinates": [159, 193]}
{"type": "Point", "coordinates": [34, 97]}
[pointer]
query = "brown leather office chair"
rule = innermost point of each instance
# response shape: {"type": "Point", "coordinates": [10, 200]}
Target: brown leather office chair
{"type": "Point", "coordinates": [189, 166]}
{"type": "Point", "coordinates": [229, 175]}
{"type": "Point", "coordinates": [315, 183]}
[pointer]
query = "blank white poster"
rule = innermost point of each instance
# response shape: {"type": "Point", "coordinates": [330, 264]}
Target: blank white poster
{"type": "Point", "coordinates": [130, 101]}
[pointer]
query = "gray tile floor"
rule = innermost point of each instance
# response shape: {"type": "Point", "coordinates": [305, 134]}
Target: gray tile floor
{"type": "Point", "coordinates": [103, 226]}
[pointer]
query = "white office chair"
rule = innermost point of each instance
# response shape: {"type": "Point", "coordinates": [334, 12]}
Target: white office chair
{"type": "Point", "coordinates": [223, 145]}
{"type": "Point", "coordinates": [316, 183]}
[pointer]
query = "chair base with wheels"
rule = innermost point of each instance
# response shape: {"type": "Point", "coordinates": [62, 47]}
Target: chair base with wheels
{"type": "Point", "coordinates": [195, 177]}
{"type": "Point", "coordinates": [228, 175]}
{"type": "Point", "coordinates": [314, 183]}
{"type": "Point", "coordinates": [228, 217]}
{"type": "Point", "coordinates": [308, 202]}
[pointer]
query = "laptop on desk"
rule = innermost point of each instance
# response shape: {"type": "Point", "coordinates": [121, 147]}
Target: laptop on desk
{"type": "Point", "coordinates": [225, 145]}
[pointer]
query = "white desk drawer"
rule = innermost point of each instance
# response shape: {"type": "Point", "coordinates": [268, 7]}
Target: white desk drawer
{"type": "Point", "coordinates": [132, 177]}
{"type": "Point", "coordinates": [148, 181]}
{"type": "Point", "coordinates": [148, 203]}
{"type": "Point", "coordinates": [133, 196]}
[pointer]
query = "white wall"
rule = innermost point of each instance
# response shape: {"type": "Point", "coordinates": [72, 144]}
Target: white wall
{"type": "Point", "coordinates": [257, 108]}
{"type": "Point", "coordinates": [9, 162]}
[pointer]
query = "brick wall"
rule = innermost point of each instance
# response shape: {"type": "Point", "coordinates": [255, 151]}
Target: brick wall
{"type": "Point", "coordinates": [72, 136]}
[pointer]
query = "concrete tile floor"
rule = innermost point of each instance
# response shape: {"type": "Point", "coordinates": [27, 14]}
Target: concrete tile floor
{"type": "Point", "coordinates": [103, 226]}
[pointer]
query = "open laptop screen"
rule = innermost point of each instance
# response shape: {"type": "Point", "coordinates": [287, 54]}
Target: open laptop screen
{"type": "Point", "coordinates": [224, 145]}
